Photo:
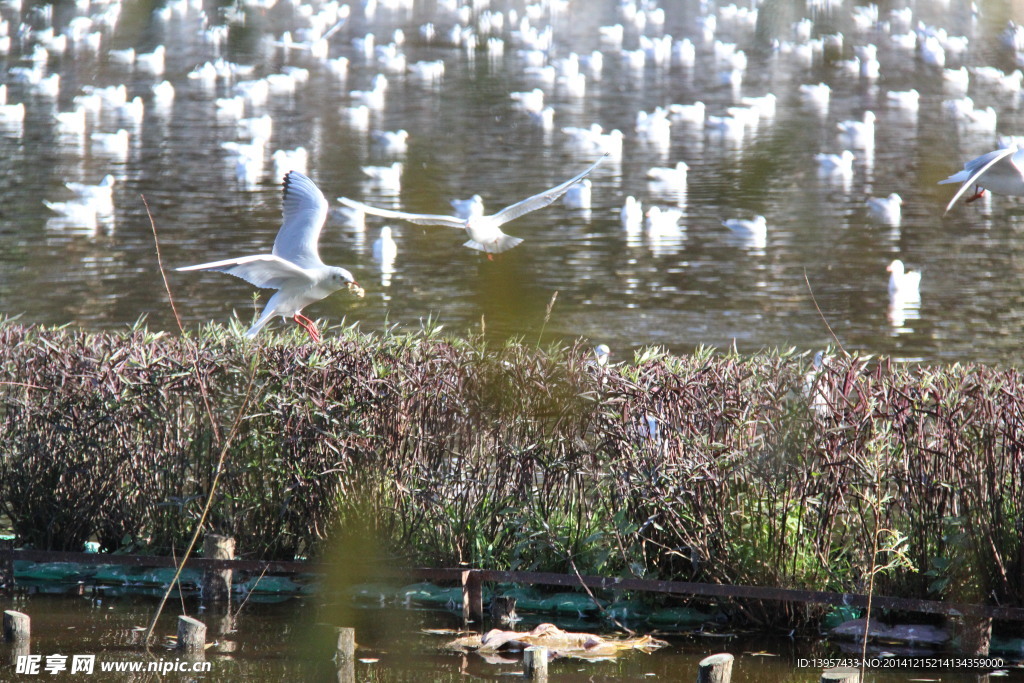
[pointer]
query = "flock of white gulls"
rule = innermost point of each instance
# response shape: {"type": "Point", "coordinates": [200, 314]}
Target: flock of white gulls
{"type": "Point", "coordinates": [107, 118]}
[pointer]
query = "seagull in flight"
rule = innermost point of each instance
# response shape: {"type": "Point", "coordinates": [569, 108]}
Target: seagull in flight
{"type": "Point", "coordinates": [1001, 171]}
{"type": "Point", "coordinates": [294, 267]}
{"type": "Point", "coordinates": [484, 231]}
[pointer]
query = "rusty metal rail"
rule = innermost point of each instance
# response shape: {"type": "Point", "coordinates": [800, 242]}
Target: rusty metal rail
{"type": "Point", "coordinates": [758, 593]}
{"type": "Point", "coordinates": [472, 579]}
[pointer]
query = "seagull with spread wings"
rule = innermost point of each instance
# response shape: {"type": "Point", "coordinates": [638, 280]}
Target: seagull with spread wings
{"type": "Point", "coordinates": [484, 232]}
{"type": "Point", "coordinates": [1001, 171]}
{"type": "Point", "coordinates": [294, 267]}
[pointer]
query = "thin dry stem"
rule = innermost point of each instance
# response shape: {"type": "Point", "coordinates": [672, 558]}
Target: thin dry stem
{"type": "Point", "coordinates": [213, 424]}
{"type": "Point", "coordinates": [823, 319]}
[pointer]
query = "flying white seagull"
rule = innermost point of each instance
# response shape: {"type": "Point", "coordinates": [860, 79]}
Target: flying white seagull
{"type": "Point", "coordinates": [484, 231]}
{"type": "Point", "coordinates": [294, 267]}
{"type": "Point", "coordinates": [1001, 171]}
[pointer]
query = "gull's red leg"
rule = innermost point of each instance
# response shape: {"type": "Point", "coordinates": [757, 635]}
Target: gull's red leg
{"type": "Point", "coordinates": [979, 192]}
{"type": "Point", "coordinates": [311, 328]}
{"type": "Point", "coordinates": [308, 325]}
{"type": "Point", "coordinates": [300, 320]}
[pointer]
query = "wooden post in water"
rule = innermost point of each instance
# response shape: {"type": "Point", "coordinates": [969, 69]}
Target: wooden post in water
{"type": "Point", "coordinates": [715, 669]}
{"type": "Point", "coordinates": [535, 662]}
{"type": "Point", "coordinates": [975, 635]}
{"type": "Point", "coordinates": [17, 626]}
{"type": "Point", "coordinates": [337, 648]}
{"type": "Point", "coordinates": [345, 645]}
{"type": "Point", "coordinates": [217, 582]}
{"type": "Point", "coordinates": [346, 672]}
{"type": "Point", "coordinates": [472, 596]}
{"type": "Point", "coordinates": [191, 634]}
{"type": "Point", "coordinates": [841, 674]}
{"type": "Point", "coordinates": [7, 563]}
{"type": "Point", "coordinates": [503, 609]}
{"type": "Point", "coordinates": [334, 643]}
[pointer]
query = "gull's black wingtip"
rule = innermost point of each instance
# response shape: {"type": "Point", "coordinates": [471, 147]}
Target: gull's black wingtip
{"type": "Point", "coordinates": [286, 183]}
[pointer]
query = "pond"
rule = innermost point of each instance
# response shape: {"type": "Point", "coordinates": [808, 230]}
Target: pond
{"type": "Point", "coordinates": [682, 286]}
{"type": "Point", "coordinates": [580, 271]}
{"type": "Point", "coordinates": [266, 642]}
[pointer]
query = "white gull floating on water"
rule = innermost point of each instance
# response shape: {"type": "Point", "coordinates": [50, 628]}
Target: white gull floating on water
{"type": "Point", "coordinates": [101, 195]}
{"type": "Point", "coordinates": [674, 176]}
{"type": "Point", "coordinates": [858, 133]}
{"type": "Point", "coordinates": [886, 210]}
{"type": "Point", "coordinates": [904, 285]}
{"type": "Point", "coordinates": [631, 214]}
{"type": "Point", "coordinates": [388, 178]}
{"type": "Point", "coordinates": [74, 214]}
{"type": "Point", "coordinates": [468, 208]}
{"type": "Point", "coordinates": [391, 141]}
{"type": "Point", "coordinates": [835, 164]}
{"type": "Point", "coordinates": [595, 139]}
{"type": "Point", "coordinates": [753, 232]}
{"type": "Point", "coordinates": [578, 196]}
{"type": "Point", "coordinates": [662, 222]}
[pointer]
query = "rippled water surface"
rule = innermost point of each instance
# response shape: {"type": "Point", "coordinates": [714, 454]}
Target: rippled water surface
{"type": "Point", "coordinates": [695, 285]}
{"type": "Point", "coordinates": [269, 641]}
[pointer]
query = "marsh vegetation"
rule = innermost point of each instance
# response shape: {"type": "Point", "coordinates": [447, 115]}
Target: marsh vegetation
{"type": "Point", "coordinates": [710, 467]}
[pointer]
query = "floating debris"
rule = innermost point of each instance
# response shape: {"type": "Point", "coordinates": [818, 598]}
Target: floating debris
{"type": "Point", "coordinates": [560, 643]}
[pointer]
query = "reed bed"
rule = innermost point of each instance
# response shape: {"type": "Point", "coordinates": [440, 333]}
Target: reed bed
{"type": "Point", "coordinates": [710, 467]}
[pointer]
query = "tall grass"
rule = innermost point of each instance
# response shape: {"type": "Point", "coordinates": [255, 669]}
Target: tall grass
{"type": "Point", "coordinates": [710, 467]}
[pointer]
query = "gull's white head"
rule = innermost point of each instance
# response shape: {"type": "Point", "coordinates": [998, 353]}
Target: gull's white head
{"type": "Point", "coordinates": [339, 277]}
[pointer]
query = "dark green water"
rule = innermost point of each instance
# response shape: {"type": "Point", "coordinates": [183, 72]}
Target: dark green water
{"type": "Point", "coordinates": [268, 642]}
{"type": "Point", "coordinates": [697, 286]}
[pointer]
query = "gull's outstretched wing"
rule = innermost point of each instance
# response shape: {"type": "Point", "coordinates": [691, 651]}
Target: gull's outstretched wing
{"type": "Point", "coordinates": [419, 218]}
{"type": "Point", "coordinates": [266, 271]}
{"type": "Point", "coordinates": [305, 210]}
{"type": "Point", "coordinates": [539, 201]}
{"type": "Point", "coordinates": [976, 169]}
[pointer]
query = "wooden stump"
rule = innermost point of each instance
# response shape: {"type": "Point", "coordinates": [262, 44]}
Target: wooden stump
{"type": "Point", "coordinates": [17, 626]}
{"type": "Point", "coordinates": [841, 674]}
{"type": "Point", "coordinates": [191, 634]}
{"type": "Point", "coordinates": [503, 609]}
{"type": "Point", "coordinates": [19, 648]}
{"type": "Point", "coordinates": [346, 672]}
{"type": "Point", "coordinates": [975, 635]}
{"type": "Point", "coordinates": [333, 643]}
{"type": "Point", "coordinates": [345, 644]}
{"type": "Point", "coordinates": [7, 563]}
{"type": "Point", "coordinates": [217, 582]}
{"type": "Point", "coordinates": [535, 662]}
{"type": "Point", "coordinates": [715, 669]}
{"type": "Point", "coordinates": [345, 655]}
{"type": "Point", "coordinates": [472, 597]}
